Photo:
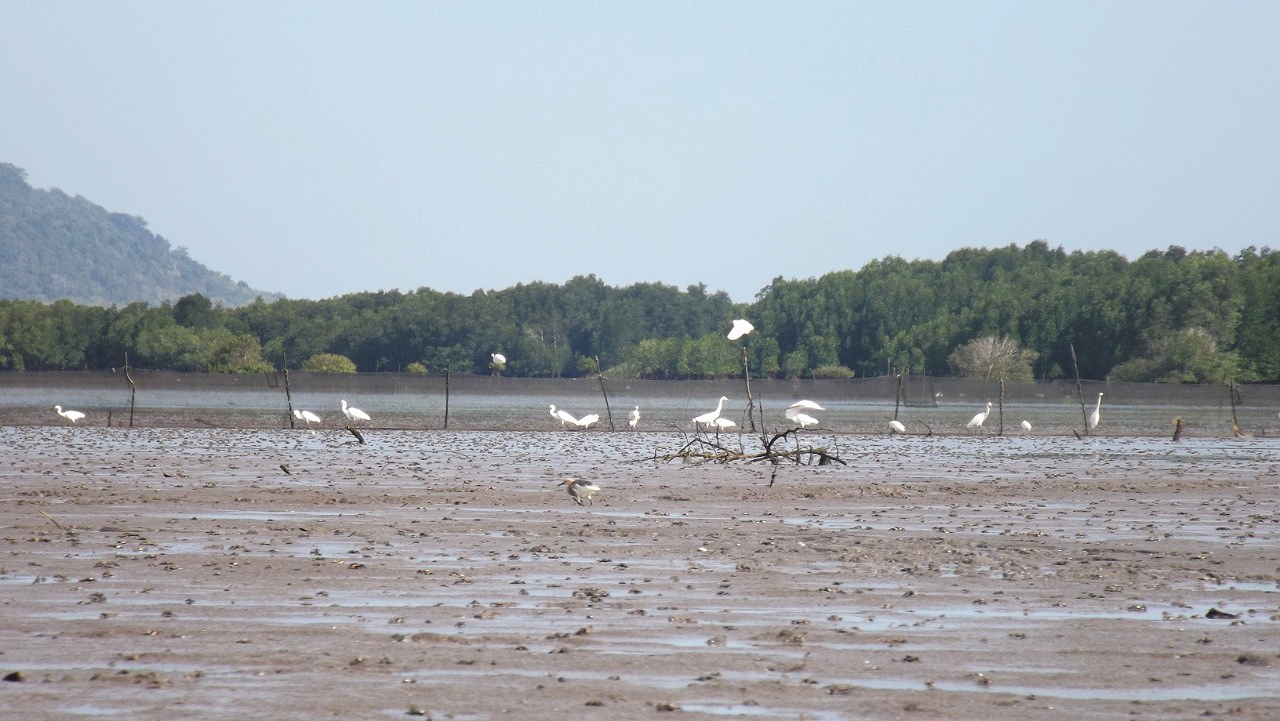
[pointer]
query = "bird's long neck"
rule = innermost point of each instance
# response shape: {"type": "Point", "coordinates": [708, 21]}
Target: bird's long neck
{"type": "Point", "coordinates": [1099, 406]}
{"type": "Point", "coordinates": [719, 405]}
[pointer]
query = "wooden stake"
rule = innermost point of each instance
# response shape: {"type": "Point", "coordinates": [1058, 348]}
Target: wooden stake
{"type": "Point", "coordinates": [897, 398]}
{"type": "Point", "coordinates": [607, 410]}
{"type": "Point", "coordinates": [133, 390]}
{"type": "Point", "coordinates": [446, 397]}
{"type": "Point", "coordinates": [1000, 408]}
{"type": "Point", "coordinates": [751, 403]}
{"type": "Point", "coordinates": [288, 398]}
{"type": "Point", "coordinates": [1084, 411]}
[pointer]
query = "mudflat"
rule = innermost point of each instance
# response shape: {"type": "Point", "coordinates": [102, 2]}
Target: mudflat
{"type": "Point", "coordinates": [283, 574]}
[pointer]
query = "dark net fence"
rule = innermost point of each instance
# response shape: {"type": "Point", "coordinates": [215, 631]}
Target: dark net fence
{"type": "Point", "coordinates": [862, 405]}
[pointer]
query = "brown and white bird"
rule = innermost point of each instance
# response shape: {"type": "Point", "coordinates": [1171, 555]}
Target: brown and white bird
{"type": "Point", "coordinates": [580, 490]}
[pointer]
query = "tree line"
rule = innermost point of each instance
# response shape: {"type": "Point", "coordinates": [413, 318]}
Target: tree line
{"type": "Point", "coordinates": [1014, 312]}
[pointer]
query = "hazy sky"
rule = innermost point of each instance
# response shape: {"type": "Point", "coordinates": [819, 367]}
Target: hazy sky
{"type": "Point", "coordinates": [322, 148]}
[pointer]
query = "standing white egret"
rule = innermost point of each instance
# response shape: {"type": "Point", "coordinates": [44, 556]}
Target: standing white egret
{"type": "Point", "coordinates": [740, 328]}
{"type": "Point", "coordinates": [354, 414]}
{"type": "Point", "coordinates": [723, 424]}
{"type": "Point", "coordinates": [563, 416]}
{"type": "Point", "coordinates": [72, 416]}
{"type": "Point", "coordinates": [1096, 416]}
{"type": "Point", "coordinates": [497, 359]}
{"type": "Point", "coordinates": [707, 419]}
{"type": "Point", "coordinates": [306, 416]}
{"type": "Point", "coordinates": [1026, 426]}
{"type": "Point", "coordinates": [633, 418]}
{"type": "Point", "coordinates": [978, 420]}
{"type": "Point", "coordinates": [804, 420]}
{"type": "Point", "coordinates": [895, 426]}
{"type": "Point", "coordinates": [579, 489]}
{"type": "Point", "coordinates": [588, 420]}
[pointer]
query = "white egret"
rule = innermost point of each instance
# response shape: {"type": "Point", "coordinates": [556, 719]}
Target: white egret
{"type": "Point", "coordinates": [800, 407]}
{"type": "Point", "coordinates": [497, 359]}
{"type": "Point", "coordinates": [563, 416]}
{"type": "Point", "coordinates": [740, 328]}
{"type": "Point", "coordinates": [579, 489]}
{"type": "Point", "coordinates": [1026, 426]}
{"type": "Point", "coordinates": [723, 424]}
{"type": "Point", "coordinates": [1096, 416]}
{"type": "Point", "coordinates": [978, 420]}
{"type": "Point", "coordinates": [306, 416]}
{"type": "Point", "coordinates": [588, 420]}
{"type": "Point", "coordinates": [804, 420]}
{"type": "Point", "coordinates": [895, 426]}
{"type": "Point", "coordinates": [72, 416]}
{"type": "Point", "coordinates": [354, 414]}
{"type": "Point", "coordinates": [708, 418]}
{"type": "Point", "coordinates": [633, 418]}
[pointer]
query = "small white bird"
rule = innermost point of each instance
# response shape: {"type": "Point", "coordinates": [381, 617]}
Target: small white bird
{"type": "Point", "coordinates": [1026, 426]}
{"type": "Point", "coordinates": [707, 419]}
{"type": "Point", "coordinates": [563, 416]}
{"type": "Point", "coordinates": [354, 414]}
{"type": "Point", "coordinates": [633, 418]}
{"type": "Point", "coordinates": [497, 359]}
{"type": "Point", "coordinates": [740, 328]}
{"type": "Point", "coordinates": [306, 416]}
{"type": "Point", "coordinates": [588, 420]}
{"type": "Point", "coordinates": [72, 416]}
{"type": "Point", "coordinates": [579, 490]}
{"type": "Point", "coordinates": [723, 424]}
{"type": "Point", "coordinates": [978, 420]}
{"type": "Point", "coordinates": [1096, 416]}
{"type": "Point", "coordinates": [895, 426]}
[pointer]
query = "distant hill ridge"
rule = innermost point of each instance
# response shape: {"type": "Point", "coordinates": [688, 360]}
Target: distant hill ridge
{"type": "Point", "coordinates": [55, 247]}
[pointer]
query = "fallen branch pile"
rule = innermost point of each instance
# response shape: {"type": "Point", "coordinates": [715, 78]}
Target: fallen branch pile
{"type": "Point", "coordinates": [702, 448]}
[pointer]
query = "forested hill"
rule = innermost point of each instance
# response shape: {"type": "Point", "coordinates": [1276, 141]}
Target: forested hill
{"type": "Point", "coordinates": [54, 247]}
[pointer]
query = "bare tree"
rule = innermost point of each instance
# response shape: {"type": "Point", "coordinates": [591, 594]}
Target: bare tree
{"type": "Point", "coordinates": [992, 357]}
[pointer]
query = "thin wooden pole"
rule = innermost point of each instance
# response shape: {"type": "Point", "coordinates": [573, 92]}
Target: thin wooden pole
{"type": "Point", "coordinates": [1230, 389]}
{"type": "Point", "coordinates": [1084, 411]}
{"type": "Point", "coordinates": [897, 398]}
{"type": "Point", "coordinates": [288, 398]}
{"type": "Point", "coordinates": [446, 397]}
{"type": "Point", "coordinates": [751, 403]}
{"type": "Point", "coordinates": [607, 410]}
{"type": "Point", "coordinates": [1000, 400]}
{"type": "Point", "coordinates": [133, 389]}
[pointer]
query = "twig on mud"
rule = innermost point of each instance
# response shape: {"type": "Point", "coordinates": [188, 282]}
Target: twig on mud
{"type": "Point", "coordinates": [59, 525]}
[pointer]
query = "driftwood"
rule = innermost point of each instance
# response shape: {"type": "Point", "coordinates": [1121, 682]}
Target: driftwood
{"type": "Point", "coordinates": [703, 448]}
{"type": "Point", "coordinates": [355, 432]}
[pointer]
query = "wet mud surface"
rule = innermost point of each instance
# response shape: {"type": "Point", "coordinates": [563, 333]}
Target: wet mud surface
{"type": "Point", "coordinates": [182, 573]}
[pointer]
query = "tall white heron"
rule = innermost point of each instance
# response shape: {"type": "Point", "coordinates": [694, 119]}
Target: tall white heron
{"type": "Point", "coordinates": [707, 419]}
{"type": "Point", "coordinates": [1096, 416]}
{"type": "Point", "coordinates": [70, 415]}
{"type": "Point", "coordinates": [563, 416]}
{"type": "Point", "coordinates": [978, 420]}
{"type": "Point", "coordinates": [633, 417]}
{"type": "Point", "coordinates": [354, 414]}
